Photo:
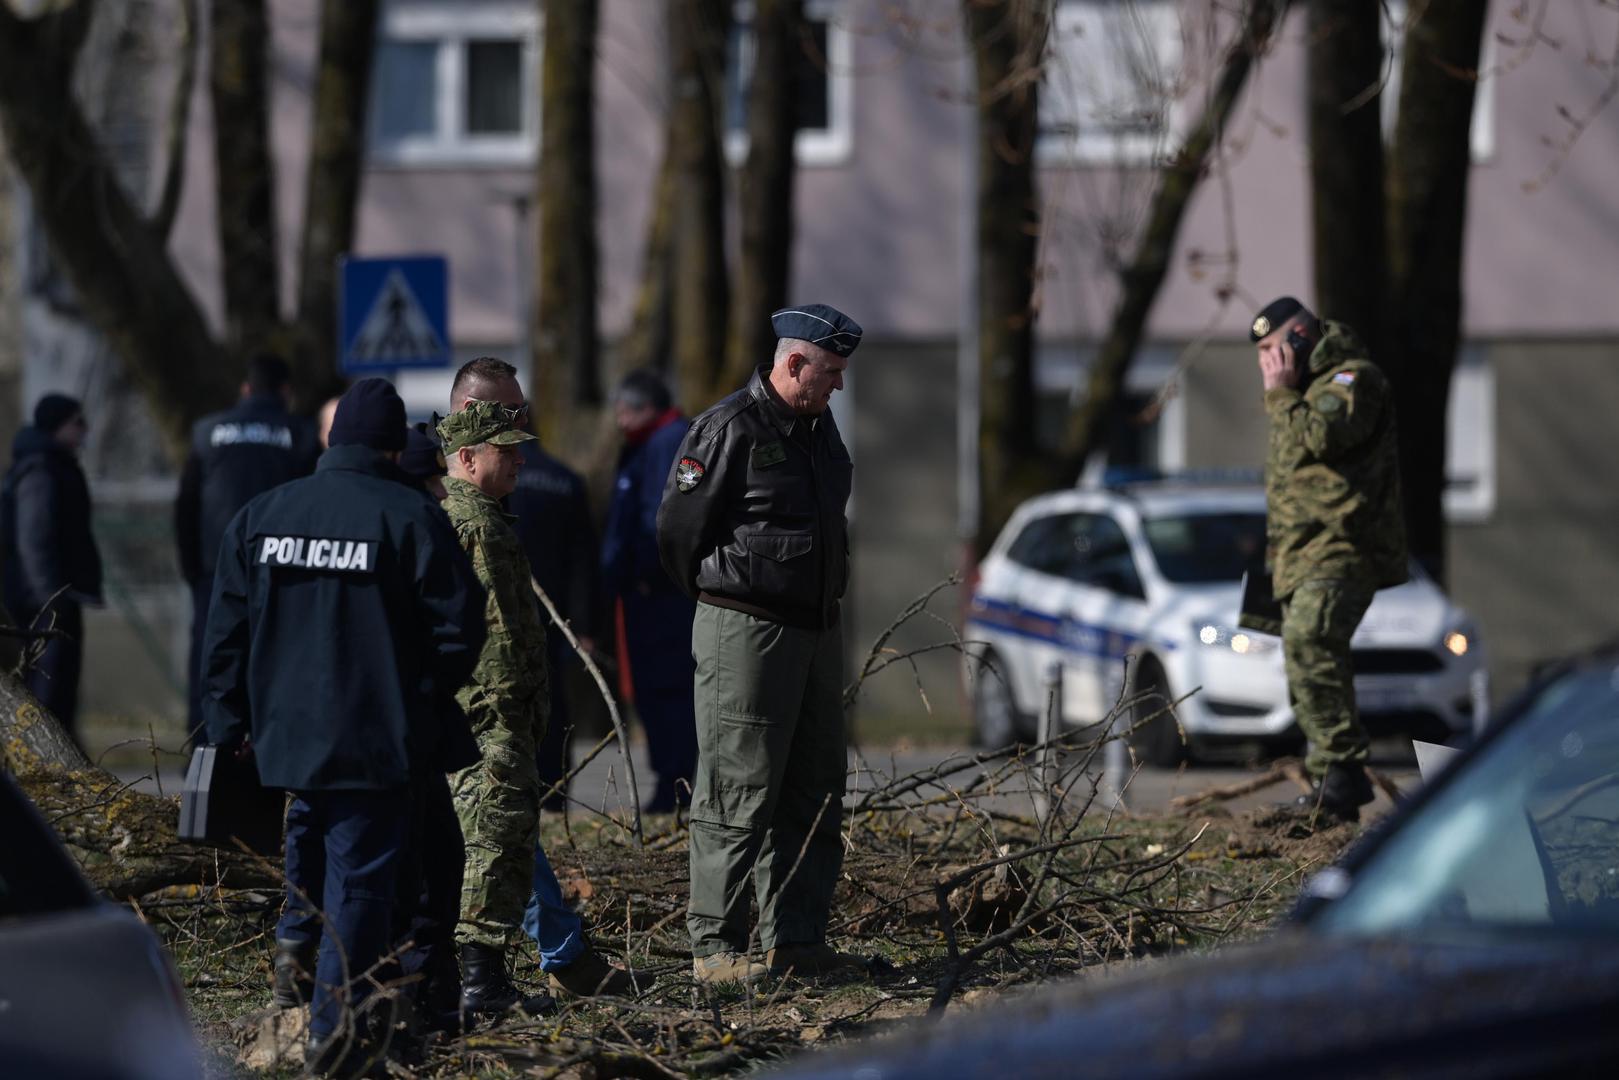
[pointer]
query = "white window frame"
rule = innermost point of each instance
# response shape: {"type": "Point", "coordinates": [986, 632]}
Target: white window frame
{"type": "Point", "coordinates": [1101, 148]}
{"type": "Point", "coordinates": [831, 145]}
{"type": "Point", "coordinates": [450, 24]}
{"type": "Point", "coordinates": [1064, 368]}
{"type": "Point", "coordinates": [1469, 494]}
{"type": "Point", "coordinates": [1481, 137]}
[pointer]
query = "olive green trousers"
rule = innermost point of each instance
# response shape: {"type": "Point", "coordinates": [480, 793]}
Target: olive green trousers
{"type": "Point", "coordinates": [1318, 620]}
{"type": "Point", "coordinates": [771, 770]}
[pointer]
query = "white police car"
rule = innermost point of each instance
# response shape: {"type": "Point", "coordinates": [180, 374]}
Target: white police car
{"type": "Point", "coordinates": [1152, 571]}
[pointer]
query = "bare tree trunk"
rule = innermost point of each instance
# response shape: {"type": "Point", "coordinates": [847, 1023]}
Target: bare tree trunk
{"type": "Point", "coordinates": [332, 187]}
{"type": "Point", "coordinates": [175, 140]}
{"type": "Point", "coordinates": [647, 342]}
{"type": "Point", "coordinates": [765, 187]}
{"type": "Point", "coordinates": [239, 85]}
{"type": "Point", "coordinates": [700, 294]}
{"type": "Point", "coordinates": [1429, 167]}
{"type": "Point", "coordinates": [1008, 39]}
{"type": "Point", "coordinates": [566, 345]}
{"type": "Point", "coordinates": [1346, 162]}
{"type": "Point", "coordinates": [1141, 280]}
{"type": "Point", "coordinates": [113, 257]}
{"type": "Point", "coordinates": [124, 840]}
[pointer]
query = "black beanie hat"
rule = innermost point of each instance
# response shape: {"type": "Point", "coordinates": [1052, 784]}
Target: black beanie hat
{"type": "Point", "coordinates": [54, 410]}
{"type": "Point", "coordinates": [370, 414]}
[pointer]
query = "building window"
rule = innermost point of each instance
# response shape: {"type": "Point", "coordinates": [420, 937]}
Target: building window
{"type": "Point", "coordinates": [1109, 91]}
{"type": "Point", "coordinates": [1396, 17]}
{"type": "Point", "coordinates": [820, 78]}
{"type": "Point", "coordinates": [1469, 493]}
{"type": "Point", "coordinates": [454, 83]}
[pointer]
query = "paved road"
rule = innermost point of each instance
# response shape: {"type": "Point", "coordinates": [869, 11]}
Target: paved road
{"type": "Point", "coordinates": [602, 782]}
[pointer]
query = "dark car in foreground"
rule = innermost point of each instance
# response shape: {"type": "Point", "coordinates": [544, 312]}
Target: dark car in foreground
{"type": "Point", "coordinates": [1475, 933]}
{"type": "Point", "coordinates": [86, 990]}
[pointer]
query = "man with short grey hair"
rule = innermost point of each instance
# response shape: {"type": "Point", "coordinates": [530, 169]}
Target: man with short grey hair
{"type": "Point", "coordinates": [752, 526]}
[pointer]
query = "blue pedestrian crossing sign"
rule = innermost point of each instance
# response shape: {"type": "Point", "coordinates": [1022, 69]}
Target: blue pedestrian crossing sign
{"type": "Point", "coordinates": [393, 313]}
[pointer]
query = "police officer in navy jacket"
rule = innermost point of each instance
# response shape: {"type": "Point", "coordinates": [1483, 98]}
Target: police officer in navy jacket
{"type": "Point", "coordinates": [235, 454]}
{"type": "Point", "coordinates": [344, 615]}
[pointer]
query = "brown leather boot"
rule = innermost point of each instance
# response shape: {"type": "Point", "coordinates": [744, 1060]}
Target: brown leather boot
{"type": "Point", "coordinates": [591, 976]}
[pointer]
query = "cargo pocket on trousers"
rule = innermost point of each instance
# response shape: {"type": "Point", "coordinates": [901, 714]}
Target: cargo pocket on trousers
{"type": "Point", "coordinates": [741, 771]}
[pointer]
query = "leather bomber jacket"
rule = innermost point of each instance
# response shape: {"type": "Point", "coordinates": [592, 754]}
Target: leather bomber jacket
{"type": "Point", "coordinates": [753, 511]}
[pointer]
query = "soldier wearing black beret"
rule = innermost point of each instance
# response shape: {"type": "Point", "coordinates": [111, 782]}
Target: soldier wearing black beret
{"type": "Point", "coordinates": [752, 526]}
{"type": "Point", "coordinates": [1334, 528]}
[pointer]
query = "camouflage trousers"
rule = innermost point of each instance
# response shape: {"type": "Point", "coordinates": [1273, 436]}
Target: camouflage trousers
{"type": "Point", "coordinates": [771, 771]}
{"type": "Point", "coordinates": [1318, 620]}
{"type": "Point", "coordinates": [498, 803]}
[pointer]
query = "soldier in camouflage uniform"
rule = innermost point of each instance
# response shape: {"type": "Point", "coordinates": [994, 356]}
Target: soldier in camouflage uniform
{"type": "Point", "coordinates": [1335, 530]}
{"type": "Point", "coordinates": [507, 702]}
{"type": "Point", "coordinates": [497, 800]}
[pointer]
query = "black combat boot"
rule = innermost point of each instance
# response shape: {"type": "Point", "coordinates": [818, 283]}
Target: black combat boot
{"type": "Point", "coordinates": [486, 989]}
{"type": "Point", "coordinates": [294, 966]}
{"type": "Point", "coordinates": [1339, 794]}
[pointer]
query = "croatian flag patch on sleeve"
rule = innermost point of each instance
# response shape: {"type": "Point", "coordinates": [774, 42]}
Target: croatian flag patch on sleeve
{"type": "Point", "coordinates": [1344, 378]}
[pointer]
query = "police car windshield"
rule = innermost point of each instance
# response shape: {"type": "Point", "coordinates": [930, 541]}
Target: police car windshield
{"type": "Point", "coordinates": [1201, 549]}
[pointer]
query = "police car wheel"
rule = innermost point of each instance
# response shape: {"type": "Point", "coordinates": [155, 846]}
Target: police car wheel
{"type": "Point", "coordinates": [1153, 734]}
{"type": "Point", "coordinates": [995, 712]}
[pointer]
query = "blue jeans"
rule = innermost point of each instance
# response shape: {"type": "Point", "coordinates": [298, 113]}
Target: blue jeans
{"type": "Point", "coordinates": [553, 925]}
{"type": "Point", "coordinates": [359, 837]}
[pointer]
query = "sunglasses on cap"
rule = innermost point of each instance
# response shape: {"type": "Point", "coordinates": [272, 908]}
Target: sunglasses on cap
{"type": "Point", "coordinates": [518, 416]}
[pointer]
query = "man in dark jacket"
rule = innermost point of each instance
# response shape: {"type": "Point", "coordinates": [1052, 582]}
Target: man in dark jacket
{"type": "Point", "coordinates": [752, 525]}
{"type": "Point", "coordinates": [553, 525]}
{"type": "Point", "coordinates": [344, 617]}
{"type": "Point", "coordinates": [52, 567]}
{"type": "Point", "coordinates": [657, 614]}
{"type": "Point", "coordinates": [235, 455]}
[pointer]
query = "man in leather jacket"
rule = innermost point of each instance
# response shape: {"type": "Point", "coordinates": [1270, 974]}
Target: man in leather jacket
{"type": "Point", "coordinates": [752, 526]}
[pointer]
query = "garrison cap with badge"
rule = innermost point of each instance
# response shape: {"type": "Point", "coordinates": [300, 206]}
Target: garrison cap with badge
{"type": "Point", "coordinates": [1274, 314]}
{"type": "Point", "coordinates": [818, 324]}
{"type": "Point", "coordinates": [480, 422]}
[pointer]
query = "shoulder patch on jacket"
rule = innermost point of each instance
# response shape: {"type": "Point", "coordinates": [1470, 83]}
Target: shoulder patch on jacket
{"type": "Point", "coordinates": [688, 473]}
{"type": "Point", "coordinates": [1344, 378]}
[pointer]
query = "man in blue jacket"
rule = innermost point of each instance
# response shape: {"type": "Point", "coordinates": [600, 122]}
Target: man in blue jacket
{"type": "Point", "coordinates": [343, 618]}
{"type": "Point", "coordinates": [657, 614]}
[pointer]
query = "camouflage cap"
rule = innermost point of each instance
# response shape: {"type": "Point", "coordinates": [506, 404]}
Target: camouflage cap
{"type": "Point", "coordinates": [481, 422]}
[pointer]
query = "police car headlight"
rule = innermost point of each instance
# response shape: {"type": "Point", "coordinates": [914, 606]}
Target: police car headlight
{"type": "Point", "coordinates": [1459, 640]}
{"type": "Point", "coordinates": [1241, 642]}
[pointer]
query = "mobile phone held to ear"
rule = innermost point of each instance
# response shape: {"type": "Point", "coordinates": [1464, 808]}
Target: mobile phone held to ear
{"type": "Point", "coordinates": [1300, 344]}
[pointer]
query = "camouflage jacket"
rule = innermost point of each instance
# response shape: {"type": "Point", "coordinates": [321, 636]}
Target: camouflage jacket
{"type": "Point", "coordinates": [1332, 481]}
{"type": "Point", "coordinates": [509, 687]}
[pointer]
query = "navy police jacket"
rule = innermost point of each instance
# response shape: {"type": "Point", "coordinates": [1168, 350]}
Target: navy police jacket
{"type": "Point", "coordinates": [344, 616]}
{"type": "Point", "coordinates": [235, 455]}
{"type": "Point", "coordinates": [630, 561]}
{"type": "Point", "coordinates": [553, 525]}
{"type": "Point", "coordinates": [753, 512]}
